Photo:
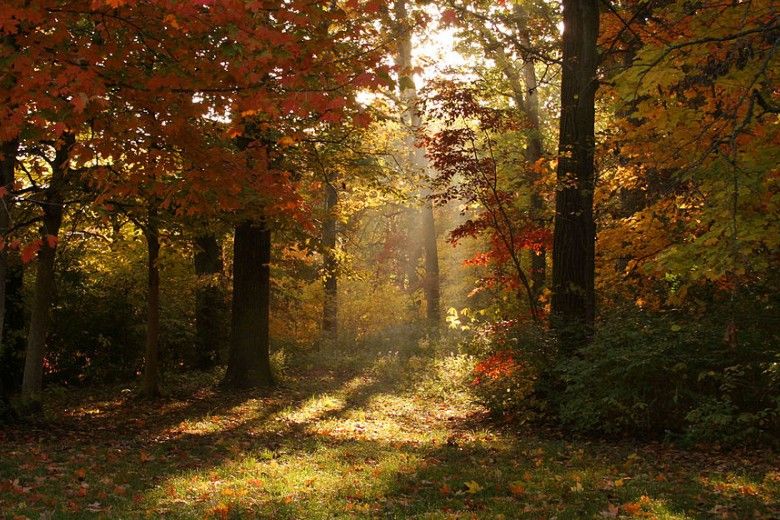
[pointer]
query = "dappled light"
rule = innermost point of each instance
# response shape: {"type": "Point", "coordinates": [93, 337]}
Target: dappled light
{"type": "Point", "coordinates": [435, 259]}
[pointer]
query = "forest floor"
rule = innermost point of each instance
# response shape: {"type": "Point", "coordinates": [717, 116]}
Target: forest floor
{"type": "Point", "coordinates": [376, 436]}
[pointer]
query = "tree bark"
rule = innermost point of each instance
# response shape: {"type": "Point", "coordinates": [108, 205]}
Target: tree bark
{"type": "Point", "coordinates": [534, 150]}
{"type": "Point", "coordinates": [53, 209]}
{"type": "Point", "coordinates": [411, 118]}
{"type": "Point", "coordinates": [13, 346]}
{"type": "Point", "coordinates": [330, 265]}
{"type": "Point", "coordinates": [8, 149]}
{"type": "Point", "coordinates": [151, 378]}
{"type": "Point", "coordinates": [249, 363]}
{"type": "Point", "coordinates": [209, 300]}
{"type": "Point", "coordinates": [573, 300]}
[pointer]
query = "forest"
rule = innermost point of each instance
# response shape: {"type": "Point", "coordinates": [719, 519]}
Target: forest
{"type": "Point", "coordinates": [389, 259]}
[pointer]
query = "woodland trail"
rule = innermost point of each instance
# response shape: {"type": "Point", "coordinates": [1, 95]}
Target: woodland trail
{"type": "Point", "coordinates": [383, 436]}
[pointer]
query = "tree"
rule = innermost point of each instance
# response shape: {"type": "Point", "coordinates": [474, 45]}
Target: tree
{"type": "Point", "coordinates": [574, 238]}
{"type": "Point", "coordinates": [52, 208]}
{"type": "Point", "coordinates": [209, 301]}
{"type": "Point", "coordinates": [411, 118]}
{"type": "Point", "coordinates": [330, 261]}
{"type": "Point", "coordinates": [472, 152]}
{"type": "Point", "coordinates": [504, 35]}
{"type": "Point", "coordinates": [249, 363]}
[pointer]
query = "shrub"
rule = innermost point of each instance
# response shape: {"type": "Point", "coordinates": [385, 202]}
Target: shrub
{"type": "Point", "coordinates": [514, 360]}
{"type": "Point", "coordinates": [654, 373]}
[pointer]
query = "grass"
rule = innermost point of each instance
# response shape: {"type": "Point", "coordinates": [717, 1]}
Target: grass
{"type": "Point", "coordinates": [382, 435]}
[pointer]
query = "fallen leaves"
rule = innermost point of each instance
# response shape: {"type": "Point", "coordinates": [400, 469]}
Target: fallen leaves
{"type": "Point", "coordinates": [517, 489]}
{"type": "Point", "coordinates": [158, 464]}
{"type": "Point", "coordinates": [472, 487]}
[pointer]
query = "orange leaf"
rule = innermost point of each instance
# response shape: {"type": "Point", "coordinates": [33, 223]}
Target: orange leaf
{"type": "Point", "coordinates": [145, 456]}
{"type": "Point", "coordinates": [517, 489]}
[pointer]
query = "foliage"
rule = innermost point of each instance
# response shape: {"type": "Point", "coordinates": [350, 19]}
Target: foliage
{"type": "Point", "coordinates": [649, 373]}
{"type": "Point", "coordinates": [97, 333]}
{"type": "Point", "coordinates": [511, 374]}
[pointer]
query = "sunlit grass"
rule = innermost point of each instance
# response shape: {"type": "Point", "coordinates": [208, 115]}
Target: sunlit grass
{"type": "Point", "coordinates": [396, 438]}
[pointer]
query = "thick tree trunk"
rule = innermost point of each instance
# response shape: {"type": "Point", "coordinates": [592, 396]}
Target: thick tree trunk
{"type": "Point", "coordinates": [151, 379]}
{"type": "Point", "coordinates": [573, 301]}
{"type": "Point", "coordinates": [411, 118]}
{"type": "Point", "coordinates": [249, 364]}
{"type": "Point", "coordinates": [330, 265]}
{"type": "Point", "coordinates": [209, 300]}
{"type": "Point", "coordinates": [32, 380]}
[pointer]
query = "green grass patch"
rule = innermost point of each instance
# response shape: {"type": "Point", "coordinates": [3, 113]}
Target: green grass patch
{"type": "Point", "coordinates": [387, 436]}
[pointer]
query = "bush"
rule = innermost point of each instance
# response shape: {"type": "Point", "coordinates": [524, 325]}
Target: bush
{"type": "Point", "coordinates": [653, 373]}
{"type": "Point", "coordinates": [511, 376]}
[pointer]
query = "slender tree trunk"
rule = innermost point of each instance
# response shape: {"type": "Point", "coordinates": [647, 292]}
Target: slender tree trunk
{"type": "Point", "coordinates": [534, 150]}
{"type": "Point", "coordinates": [151, 379]}
{"type": "Point", "coordinates": [330, 265]}
{"type": "Point", "coordinates": [573, 301]}
{"type": "Point", "coordinates": [209, 300]}
{"type": "Point", "coordinates": [249, 363]}
{"type": "Point", "coordinates": [8, 149]}
{"type": "Point", "coordinates": [12, 348]}
{"type": "Point", "coordinates": [411, 117]}
{"type": "Point", "coordinates": [32, 380]}
{"type": "Point", "coordinates": [432, 289]}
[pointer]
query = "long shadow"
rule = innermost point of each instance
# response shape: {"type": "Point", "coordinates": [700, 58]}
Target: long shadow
{"type": "Point", "coordinates": [549, 479]}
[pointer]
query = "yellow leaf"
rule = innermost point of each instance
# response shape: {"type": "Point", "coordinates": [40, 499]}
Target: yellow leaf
{"type": "Point", "coordinates": [619, 483]}
{"type": "Point", "coordinates": [472, 487]}
{"type": "Point", "coordinates": [286, 141]}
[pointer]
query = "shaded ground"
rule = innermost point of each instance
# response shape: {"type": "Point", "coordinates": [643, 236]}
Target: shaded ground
{"type": "Point", "coordinates": [385, 438]}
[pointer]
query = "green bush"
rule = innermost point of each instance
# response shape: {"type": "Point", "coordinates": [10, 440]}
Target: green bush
{"type": "Point", "coordinates": [666, 373]}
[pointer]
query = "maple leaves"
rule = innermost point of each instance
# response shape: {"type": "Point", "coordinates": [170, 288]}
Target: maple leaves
{"type": "Point", "coordinates": [692, 135]}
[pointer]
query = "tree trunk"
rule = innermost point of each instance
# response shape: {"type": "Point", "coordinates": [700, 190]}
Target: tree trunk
{"type": "Point", "coordinates": [151, 379]}
{"type": "Point", "coordinates": [8, 367]}
{"type": "Point", "coordinates": [209, 300]}
{"type": "Point", "coordinates": [534, 151]}
{"type": "Point", "coordinates": [8, 149]}
{"type": "Point", "coordinates": [32, 380]}
{"type": "Point", "coordinates": [411, 118]}
{"type": "Point", "coordinates": [573, 301]}
{"type": "Point", "coordinates": [12, 348]}
{"type": "Point", "coordinates": [330, 265]}
{"type": "Point", "coordinates": [432, 291]}
{"type": "Point", "coordinates": [249, 363]}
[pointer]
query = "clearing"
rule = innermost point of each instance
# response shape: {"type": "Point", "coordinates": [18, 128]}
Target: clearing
{"type": "Point", "coordinates": [381, 435]}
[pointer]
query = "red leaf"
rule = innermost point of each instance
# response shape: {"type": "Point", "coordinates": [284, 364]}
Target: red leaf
{"type": "Point", "coordinates": [29, 251]}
